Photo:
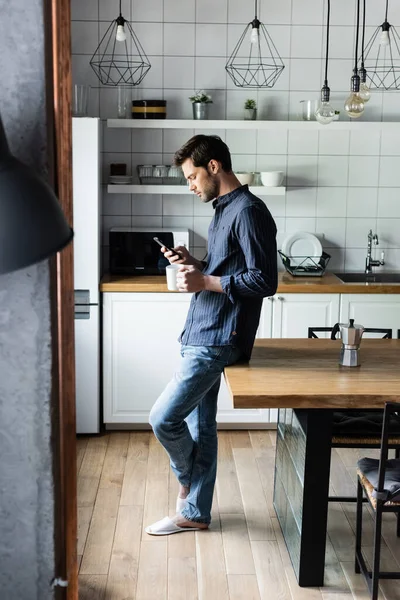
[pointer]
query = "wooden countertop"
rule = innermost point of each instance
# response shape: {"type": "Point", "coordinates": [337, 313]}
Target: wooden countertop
{"type": "Point", "coordinates": [304, 373]}
{"type": "Point", "coordinates": [287, 284]}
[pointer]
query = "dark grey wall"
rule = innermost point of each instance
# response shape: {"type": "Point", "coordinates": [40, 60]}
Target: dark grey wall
{"type": "Point", "coordinates": [26, 485]}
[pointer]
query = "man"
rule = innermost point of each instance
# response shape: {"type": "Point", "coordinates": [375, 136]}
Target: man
{"type": "Point", "coordinates": [228, 288]}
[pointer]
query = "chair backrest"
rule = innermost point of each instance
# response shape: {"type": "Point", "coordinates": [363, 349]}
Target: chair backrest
{"type": "Point", "coordinates": [390, 408]}
{"type": "Point", "coordinates": [386, 333]}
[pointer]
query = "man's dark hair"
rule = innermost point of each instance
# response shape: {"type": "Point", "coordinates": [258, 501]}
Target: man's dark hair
{"type": "Point", "coordinates": [203, 148]}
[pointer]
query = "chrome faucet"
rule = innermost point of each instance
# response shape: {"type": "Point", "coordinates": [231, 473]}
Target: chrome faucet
{"type": "Point", "coordinates": [370, 262]}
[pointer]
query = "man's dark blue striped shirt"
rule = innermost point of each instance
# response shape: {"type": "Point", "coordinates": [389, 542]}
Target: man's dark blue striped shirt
{"type": "Point", "coordinates": [242, 251]}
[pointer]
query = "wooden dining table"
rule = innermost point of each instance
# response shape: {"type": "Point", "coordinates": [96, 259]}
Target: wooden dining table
{"type": "Point", "coordinates": [303, 378]}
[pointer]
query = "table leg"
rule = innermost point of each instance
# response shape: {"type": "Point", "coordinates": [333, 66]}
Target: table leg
{"type": "Point", "coordinates": [301, 489]}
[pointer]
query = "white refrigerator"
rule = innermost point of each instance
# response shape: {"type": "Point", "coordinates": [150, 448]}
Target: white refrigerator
{"type": "Point", "coordinates": [86, 218]}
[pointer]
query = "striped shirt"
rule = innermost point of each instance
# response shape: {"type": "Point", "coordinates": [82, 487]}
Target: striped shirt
{"type": "Point", "coordinates": [242, 251]}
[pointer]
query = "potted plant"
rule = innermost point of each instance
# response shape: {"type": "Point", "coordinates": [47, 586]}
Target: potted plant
{"type": "Point", "coordinates": [337, 114]}
{"type": "Point", "coordinates": [250, 110]}
{"type": "Point", "coordinates": [200, 102]}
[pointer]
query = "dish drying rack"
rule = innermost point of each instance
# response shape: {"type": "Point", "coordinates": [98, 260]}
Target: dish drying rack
{"type": "Point", "coordinates": [306, 266]}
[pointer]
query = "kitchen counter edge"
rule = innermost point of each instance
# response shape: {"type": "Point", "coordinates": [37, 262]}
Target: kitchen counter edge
{"type": "Point", "coordinates": [287, 284]}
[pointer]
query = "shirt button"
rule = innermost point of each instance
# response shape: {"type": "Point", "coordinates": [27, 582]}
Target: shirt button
{"type": "Point", "coordinates": [233, 332]}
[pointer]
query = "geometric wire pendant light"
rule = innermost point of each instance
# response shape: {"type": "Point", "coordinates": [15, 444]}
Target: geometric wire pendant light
{"type": "Point", "coordinates": [255, 61]}
{"type": "Point", "coordinates": [382, 56]}
{"type": "Point", "coordinates": [119, 59]}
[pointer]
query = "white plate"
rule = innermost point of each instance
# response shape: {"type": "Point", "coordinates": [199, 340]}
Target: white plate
{"type": "Point", "coordinates": [297, 246]}
{"type": "Point", "coordinates": [121, 179]}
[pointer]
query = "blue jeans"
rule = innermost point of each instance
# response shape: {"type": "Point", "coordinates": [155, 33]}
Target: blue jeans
{"type": "Point", "coordinates": [184, 421]}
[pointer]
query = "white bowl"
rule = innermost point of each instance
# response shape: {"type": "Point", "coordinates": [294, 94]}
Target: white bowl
{"type": "Point", "coordinates": [271, 178]}
{"type": "Point", "coordinates": [245, 178]}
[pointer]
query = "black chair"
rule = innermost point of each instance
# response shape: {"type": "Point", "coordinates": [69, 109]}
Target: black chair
{"type": "Point", "coordinates": [360, 428]}
{"type": "Point", "coordinates": [379, 480]}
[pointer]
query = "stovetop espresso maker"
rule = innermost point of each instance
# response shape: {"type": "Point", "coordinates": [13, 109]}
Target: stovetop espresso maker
{"type": "Point", "coordinates": [351, 335]}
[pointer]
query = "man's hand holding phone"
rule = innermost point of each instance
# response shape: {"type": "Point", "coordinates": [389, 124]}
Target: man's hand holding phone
{"type": "Point", "coordinates": [179, 255]}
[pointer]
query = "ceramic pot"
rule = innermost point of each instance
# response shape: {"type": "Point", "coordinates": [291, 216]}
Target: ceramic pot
{"type": "Point", "coordinates": [250, 114]}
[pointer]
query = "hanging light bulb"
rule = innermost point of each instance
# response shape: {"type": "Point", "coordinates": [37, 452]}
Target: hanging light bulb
{"type": "Point", "coordinates": [384, 39]}
{"type": "Point", "coordinates": [365, 92]}
{"type": "Point", "coordinates": [254, 34]}
{"type": "Point", "coordinates": [354, 105]}
{"type": "Point", "coordinates": [325, 113]}
{"type": "Point", "coordinates": [121, 35]}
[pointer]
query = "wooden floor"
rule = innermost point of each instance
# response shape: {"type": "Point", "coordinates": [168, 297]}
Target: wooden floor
{"type": "Point", "coordinates": [125, 482]}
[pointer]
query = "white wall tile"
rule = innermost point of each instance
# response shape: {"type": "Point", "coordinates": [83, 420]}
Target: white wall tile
{"type": "Point", "coordinates": [200, 230]}
{"type": "Point", "coordinates": [272, 142]}
{"type": "Point", "coordinates": [333, 170]}
{"type": "Point", "coordinates": [148, 221]}
{"type": "Point", "coordinates": [209, 11]}
{"type": "Point", "coordinates": [305, 74]}
{"type": "Point", "coordinates": [388, 231]}
{"type": "Point", "coordinates": [146, 140]}
{"type": "Point", "coordinates": [308, 12]}
{"type": "Point", "coordinates": [331, 202]}
{"type": "Point", "coordinates": [354, 259]}
{"type": "Point", "coordinates": [116, 140]}
{"type": "Point", "coordinates": [177, 205]}
{"type": "Point", "coordinates": [116, 204]}
{"type": "Point", "coordinates": [241, 142]}
{"type": "Point", "coordinates": [146, 204]}
{"type": "Point", "coordinates": [357, 232]}
{"type": "Point", "coordinates": [390, 107]}
{"type": "Point", "coordinates": [300, 224]}
{"type": "Point", "coordinates": [362, 201]}
{"type": "Point", "coordinates": [333, 230]}
{"type": "Point", "coordinates": [333, 142]}
{"type": "Point", "coordinates": [175, 138]}
{"type": "Point", "coordinates": [271, 163]}
{"type": "Point", "coordinates": [84, 37]}
{"type": "Point", "coordinates": [301, 202]}
{"type": "Point", "coordinates": [244, 162]}
{"type": "Point", "coordinates": [389, 203]}
{"type": "Point", "coordinates": [82, 72]}
{"type": "Point", "coordinates": [392, 259]}
{"type": "Point", "coordinates": [301, 142]}
{"type": "Point", "coordinates": [143, 10]}
{"type": "Point", "coordinates": [181, 223]}
{"type": "Point", "coordinates": [84, 11]}
{"type": "Point", "coordinates": [150, 36]}
{"type": "Point", "coordinates": [202, 209]}
{"type": "Point", "coordinates": [302, 171]}
{"type": "Point", "coordinates": [108, 103]}
{"type": "Point", "coordinates": [339, 75]}
{"type": "Point", "coordinates": [211, 39]}
{"type": "Point", "coordinates": [390, 143]}
{"type": "Point", "coordinates": [365, 143]}
{"type": "Point", "coordinates": [154, 77]}
{"type": "Point", "coordinates": [178, 103]}
{"type": "Point", "coordinates": [363, 171]}
{"type": "Point", "coordinates": [179, 39]}
{"type": "Point", "coordinates": [240, 12]}
{"type": "Point", "coordinates": [179, 11]}
{"type": "Point", "coordinates": [306, 41]}
{"type": "Point", "coordinates": [275, 12]}
{"type": "Point", "coordinates": [273, 106]}
{"type": "Point", "coordinates": [343, 12]}
{"type": "Point", "coordinates": [275, 204]}
{"type": "Point", "coordinates": [336, 262]}
{"type": "Point", "coordinates": [389, 175]}
{"type": "Point", "coordinates": [341, 42]}
{"type": "Point", "coordinates": [178, 72]}
{"type": "Point", "coordinates": [210, 73]}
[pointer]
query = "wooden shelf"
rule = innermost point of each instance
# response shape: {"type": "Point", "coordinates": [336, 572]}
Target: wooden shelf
{"type": "Point", "coordinates": [237, 124]}
{"type": "Point", "coordinates": [258, 190]}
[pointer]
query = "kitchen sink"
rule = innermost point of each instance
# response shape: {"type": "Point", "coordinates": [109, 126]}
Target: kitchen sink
{"type": "Point", "coordinates": [370, 278]}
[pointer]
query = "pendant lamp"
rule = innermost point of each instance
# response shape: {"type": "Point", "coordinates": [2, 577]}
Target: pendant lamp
{"type": "Point", "coordinates": [119, 59]}
{"type": "Point", "coordinates": [325, 113]}
{"type": "Point", "coordinates": [255, 61]}
{"type": "Point", "coordinates": [354, 105]}
{"type": "Point", "coordinates": [32, 224]}
{"type": "Point", "coordinates": [382, 56]}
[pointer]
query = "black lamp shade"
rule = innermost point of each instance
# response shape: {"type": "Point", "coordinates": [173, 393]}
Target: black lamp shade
{"type": "Point", "coordinates": [32, 224]}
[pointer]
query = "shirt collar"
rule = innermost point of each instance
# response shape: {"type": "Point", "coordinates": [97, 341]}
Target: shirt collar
{"type": "Point", "coordinates": [223, 200]}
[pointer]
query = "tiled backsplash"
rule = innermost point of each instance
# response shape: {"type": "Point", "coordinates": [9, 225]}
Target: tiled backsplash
{"type": "Point", "coordinates": [339, 183]}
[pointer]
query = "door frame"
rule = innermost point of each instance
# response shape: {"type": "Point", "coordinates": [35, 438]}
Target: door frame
{"type": "Point", "coordinates": [57, 24]}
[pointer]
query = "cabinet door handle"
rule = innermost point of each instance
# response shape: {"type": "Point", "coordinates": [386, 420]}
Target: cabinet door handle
{"type": "Point", "coordinates": [270, 298]}
{"type": "Point", "coordinates": [280, 298]}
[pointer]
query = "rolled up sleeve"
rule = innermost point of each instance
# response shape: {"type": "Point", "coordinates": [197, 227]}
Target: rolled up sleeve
{"type": "Point", "coordinates": [256, 234]}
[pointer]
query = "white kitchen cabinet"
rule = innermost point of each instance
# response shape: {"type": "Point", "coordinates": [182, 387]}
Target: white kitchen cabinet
{"type": "Point", "coordinates": [141, 353]}
{"type": "Point", "coordinates": [293, 314]}
{"type": "Point", "coordinates": [372, 310]}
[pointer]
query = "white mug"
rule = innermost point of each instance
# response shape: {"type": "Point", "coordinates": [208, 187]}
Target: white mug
{"type": "Point", "coordinates": [171, 272]}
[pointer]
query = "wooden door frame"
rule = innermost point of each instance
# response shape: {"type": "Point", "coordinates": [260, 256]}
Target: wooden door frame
{"type": "Point", "coordinates": [57, 24]}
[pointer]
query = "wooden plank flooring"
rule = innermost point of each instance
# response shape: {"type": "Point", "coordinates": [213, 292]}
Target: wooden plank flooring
{"type": "Point", "coordinates": [125, 483]}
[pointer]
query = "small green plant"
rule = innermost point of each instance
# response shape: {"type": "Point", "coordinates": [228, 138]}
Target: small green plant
{"type": "Point", "coordinates": [250, 103]}
{"type": "Point", "coordinates": [202, 97]}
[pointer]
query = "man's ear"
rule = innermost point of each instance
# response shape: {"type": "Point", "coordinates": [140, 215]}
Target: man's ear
{"type": "Point", "coordinates": [214, 166]}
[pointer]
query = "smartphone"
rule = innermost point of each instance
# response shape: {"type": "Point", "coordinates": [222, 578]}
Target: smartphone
{"type": "Point", "coordinates": [156, 239]}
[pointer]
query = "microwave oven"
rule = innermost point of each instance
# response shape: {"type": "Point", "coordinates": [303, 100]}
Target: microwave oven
{"type": "Point", "coordinates": [133, 251]}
